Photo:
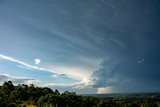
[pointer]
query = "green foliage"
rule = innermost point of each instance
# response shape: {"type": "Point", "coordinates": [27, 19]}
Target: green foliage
{"type": "Point", "coordinates": [2, 97]}
{"type": "Point", "coordinates": [29, 96]}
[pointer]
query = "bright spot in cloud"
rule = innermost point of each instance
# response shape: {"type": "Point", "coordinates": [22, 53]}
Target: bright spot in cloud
{"type": "Point", "coordinates": [141, 61]}
{"type": "Point", "coordinates": [37, 61]}
{"type": "Point", "coordinates": [104, 90]}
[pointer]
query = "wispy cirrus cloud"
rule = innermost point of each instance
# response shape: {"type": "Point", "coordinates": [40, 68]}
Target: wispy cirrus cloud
{"type": "Point", "coordinates": [27, 80]}
{"type": "Point", "coordinates": [8, 58]}
{"type": "Point", "coordinates": [35, 68]}
{"type": "Point", "coordinates": [28, 66]}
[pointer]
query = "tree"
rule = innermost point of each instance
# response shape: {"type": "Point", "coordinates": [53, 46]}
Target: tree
{"type": "Point", "coordinates": [2, 97]}
{"type": "Point", "coordinates": [7, 87]}
{"type": "Point", "coordinates": [46, 90]}
{"type": "Point", "coordinates": [56, 92]}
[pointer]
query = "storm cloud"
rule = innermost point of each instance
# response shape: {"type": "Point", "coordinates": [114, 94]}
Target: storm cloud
{"type": "Point", "coordinates": [95, 46]}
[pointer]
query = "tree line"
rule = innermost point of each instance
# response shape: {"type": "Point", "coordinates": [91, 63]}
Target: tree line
{"type": "Point", "coordinates": [23, 95]}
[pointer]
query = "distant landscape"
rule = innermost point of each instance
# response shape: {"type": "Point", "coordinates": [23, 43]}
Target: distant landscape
{"type": "Point", "coordinates": [23, 95]}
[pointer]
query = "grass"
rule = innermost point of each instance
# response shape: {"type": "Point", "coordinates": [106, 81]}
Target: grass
{"type": "Point", "coordinates": [28, 105]}
{"type": "Point", "coordinates": [31, 106]}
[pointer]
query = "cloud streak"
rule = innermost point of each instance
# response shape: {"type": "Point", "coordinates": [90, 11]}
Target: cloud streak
{"type": "Point", "coordinates": [28, 66]}
{"type": "Point", "coordinates": [22, 63]}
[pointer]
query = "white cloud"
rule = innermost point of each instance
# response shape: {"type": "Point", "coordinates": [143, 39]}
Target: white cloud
{"type": "Point", "coordinates": [104, 90]}
{"type": "Point", "coordinates": [19, 62]}
{"type": "Point", "coordinates": [18, 80]}
{"type": "Point", "coordinates": [37, 61]}
{"type": "Point", "coordinates": [79, 85]}
{"type": "Point", "coordinates": [57, 85]}
{"type": "Point", "coordinates": [81, 71]}
{"type": "Point", "coordinates": [73, 72]}
{"type": "Point", "coordinates": [141, 61]}
{"type": "Point", "coordinates": [24, 64]}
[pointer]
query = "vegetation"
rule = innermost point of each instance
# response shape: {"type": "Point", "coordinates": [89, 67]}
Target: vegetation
{"type": "Point", "coordinates": [30, 96]}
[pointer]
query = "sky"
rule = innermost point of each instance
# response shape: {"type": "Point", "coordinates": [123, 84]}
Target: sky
{"type": "Point", "coordinates": [84, 46]}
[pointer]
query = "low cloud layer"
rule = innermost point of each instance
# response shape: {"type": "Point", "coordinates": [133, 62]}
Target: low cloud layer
{"type": "Point", "coordinates": [18, 80]}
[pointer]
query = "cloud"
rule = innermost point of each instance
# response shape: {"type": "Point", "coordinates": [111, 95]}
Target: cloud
{"type": "Point", "coordinates": [18, 80]}
{"type": "Point", "coordinates": [103, 79]}
{"type": "Point", "coordinates": [22, 63]}
{"type": "Point", "coordinates": [72, 88]}
{"type": "Point", "coordinates": [105, 76]}
{"type": "Point", "coordinates": [27, 66]}
{"type": "Point", "coordinates": [80, 68]}
{"type": "Point", "coordinates": [104, 90]}
{"type": "Point", "coordinates": [73, 72]}
{"type": "Point", "coordinates": [141, 61]}
{"type": "Point", "coordinates": [76, 73]}
{"type": "Point", "coordinates": [93, 32]}
{"type": "Point", "coordinates": [37, 61]}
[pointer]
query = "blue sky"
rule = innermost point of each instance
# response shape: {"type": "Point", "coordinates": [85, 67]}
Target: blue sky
{"type": "Point", "coordinates": [85, 46]}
